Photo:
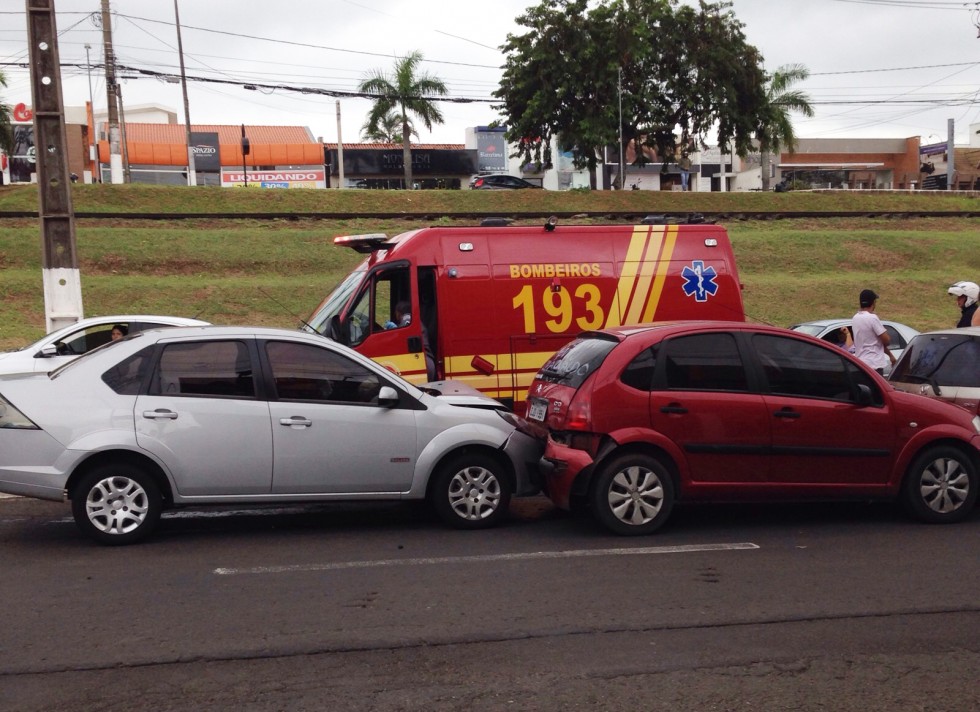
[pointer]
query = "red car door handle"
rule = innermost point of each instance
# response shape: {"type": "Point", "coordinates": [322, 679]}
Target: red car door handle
{"type": "Point", "coordinates": [673, 408]}
{"type": "Point", "coordinates": [786, 413]}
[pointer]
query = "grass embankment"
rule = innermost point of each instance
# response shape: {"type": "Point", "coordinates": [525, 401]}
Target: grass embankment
{"type": "Point", "coordinates": [160, 199]}
{"type": "Point", "coordinates": [273, 272]}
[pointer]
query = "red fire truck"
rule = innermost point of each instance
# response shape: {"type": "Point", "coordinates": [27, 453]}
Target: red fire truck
{"type": "Point", "coordinates": [488, 305]}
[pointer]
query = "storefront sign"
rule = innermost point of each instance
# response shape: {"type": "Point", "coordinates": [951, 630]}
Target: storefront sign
{"type": "Point", "coordinates": [204, 145]}
{"type": "Point", "coordinates": [491, 149]}
{"type": "Point", "coordinates": [22, 113]}
{"type": "Point", "coordinates": [302, 178]}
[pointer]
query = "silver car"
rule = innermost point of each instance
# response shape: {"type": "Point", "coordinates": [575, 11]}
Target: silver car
{"type": "Point", "coordinates": [229, 415]}
{"type": "Point", "coordinates": [68, 343]}
{"type": "Point", "coordinates": [943, 364]}
{"type": "Point", "coordinates": [829, 330]}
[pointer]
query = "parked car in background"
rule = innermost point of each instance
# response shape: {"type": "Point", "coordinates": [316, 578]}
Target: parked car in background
{"type": "Point", "coordinates": [233, 415]}
{"type": "Point", "coordinates": [943, 364]}
{"type": "Point", "coordinates": [499, 181]}
{"type": "Point", "coordinates": [641, 418]}
{"type": "Point", "coordinates": [68, 343]}
{"type": "Point", "coordinates": [829, 330]}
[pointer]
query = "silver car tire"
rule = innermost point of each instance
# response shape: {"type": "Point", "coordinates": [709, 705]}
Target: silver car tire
{"type": "Point", "coordinates": [941, 486]}
{"type": "Point", "coordinates": [116, 504]}
{"type": "Point", "coordinates": [471, 492]}
{"type": "Point", "coordinates": [633, 495]}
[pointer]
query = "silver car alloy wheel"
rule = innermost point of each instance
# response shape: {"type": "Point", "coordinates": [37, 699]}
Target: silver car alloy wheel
{"type": "Point", "coordinates": [944, 485]}
{"type": "Point", "coordinates": [635, 495]}
{"type": "Point", "coordinates": [117, 505]}
{"type": "Point", "coordinates": [474, 493]}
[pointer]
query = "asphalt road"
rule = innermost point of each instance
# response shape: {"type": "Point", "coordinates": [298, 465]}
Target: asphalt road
{"type": "Point", "coordinates": [820, 607]}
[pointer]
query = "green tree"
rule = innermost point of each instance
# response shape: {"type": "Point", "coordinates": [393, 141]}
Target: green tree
{"type": "Point", "coordinates": [387, 130]}
{"type": "Point", "coordinates": [776, 128]}
{"type": "Point", "coordinates": [6, 128]}
{"type": "Point", "coordinates": [683, 72]}
{"type": "Point", "coordinates": [409, 93]}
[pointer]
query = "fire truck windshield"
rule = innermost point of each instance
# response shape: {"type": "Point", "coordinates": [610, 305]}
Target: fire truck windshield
{"type": "Point", "coordinates": [334, 302]}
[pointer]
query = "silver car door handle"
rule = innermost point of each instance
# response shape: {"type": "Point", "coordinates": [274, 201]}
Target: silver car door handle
{"type": "Point", "coordinates": [160, 414]}
{"type": "Point", "coordinates": [296, 420]}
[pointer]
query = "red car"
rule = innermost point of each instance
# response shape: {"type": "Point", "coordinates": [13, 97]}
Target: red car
{"type": "Point", "coordinates": [640, 418]}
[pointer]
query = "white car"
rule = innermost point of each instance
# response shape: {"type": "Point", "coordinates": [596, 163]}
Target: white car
{"type": "Point", "coordinates": [829, 330]}
{"type": "Point", "coordinates": [68, 343]}
{"type": "Point", "coordinates": [220, 415]}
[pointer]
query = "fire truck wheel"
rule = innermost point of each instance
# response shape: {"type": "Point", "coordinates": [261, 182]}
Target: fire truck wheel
{"type": "Point", "coordinates": [470, 491]}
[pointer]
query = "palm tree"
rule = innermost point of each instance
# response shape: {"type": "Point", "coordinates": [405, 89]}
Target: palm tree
{"type": "Point", "coordinates": [387, 130]}
{"type": "Point", "coordinates": [776, 129]}
{"type": "Point", "coordinates": [405, 92]}
{"type": "Point", "coordinates": [6, 129]}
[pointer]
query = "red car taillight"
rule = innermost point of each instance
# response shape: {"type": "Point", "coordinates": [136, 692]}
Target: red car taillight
{"type": "Point", "coordinates": [478, 183]}
{"type": "Point", "coordinates": [579, 415]}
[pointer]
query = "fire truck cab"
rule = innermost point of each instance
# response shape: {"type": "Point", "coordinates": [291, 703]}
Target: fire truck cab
{"type": "Point", "coordinates": [488, 305]}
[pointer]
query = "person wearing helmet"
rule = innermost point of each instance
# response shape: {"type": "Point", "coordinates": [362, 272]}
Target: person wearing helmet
{"type": "Point", "coordinates": [967, 294]}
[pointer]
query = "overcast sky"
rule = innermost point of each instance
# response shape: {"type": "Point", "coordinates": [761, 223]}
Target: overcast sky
{"type": "Point", "coordinates": [879, 68]}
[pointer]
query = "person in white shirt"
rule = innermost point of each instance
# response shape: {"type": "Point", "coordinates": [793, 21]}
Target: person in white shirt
{"type": "Point", "coordinates": [870, 338]}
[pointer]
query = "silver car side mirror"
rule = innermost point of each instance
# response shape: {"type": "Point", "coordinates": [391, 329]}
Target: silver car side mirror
{"type": "Point", "coordinates": [387, 396]}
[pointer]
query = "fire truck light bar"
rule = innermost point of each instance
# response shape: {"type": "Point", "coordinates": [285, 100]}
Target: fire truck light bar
{"type": "Point", "coordinates": [365, 244]}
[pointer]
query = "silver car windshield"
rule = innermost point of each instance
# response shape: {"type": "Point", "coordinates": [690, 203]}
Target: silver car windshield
{"type": "Point", "coordinates": [810, 329]}
{"type": "Point", "coordinates": [334, 302]}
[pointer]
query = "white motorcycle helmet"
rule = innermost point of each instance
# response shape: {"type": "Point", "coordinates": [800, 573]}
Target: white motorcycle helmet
{"type": "Point", "coordinates": [970, 290]}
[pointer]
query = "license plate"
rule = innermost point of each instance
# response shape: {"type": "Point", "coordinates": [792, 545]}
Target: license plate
{"type": "Point", "coordinates": [538, 410]}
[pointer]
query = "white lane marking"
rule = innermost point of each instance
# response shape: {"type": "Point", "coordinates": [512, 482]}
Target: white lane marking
{"type": "Point", "coordinates": [580, 553]}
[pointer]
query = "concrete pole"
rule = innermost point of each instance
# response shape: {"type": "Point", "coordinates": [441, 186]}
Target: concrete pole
{"type": "Point", "coordinates": [127, 176]}
{"type": "Point", "coordinates": [115, 150]}
{"type": "Point", "coordinates": [59, 260]}
{"type": "Point", "coordinates": [191, 168]}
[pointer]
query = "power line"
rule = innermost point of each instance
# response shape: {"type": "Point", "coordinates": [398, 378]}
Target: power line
{"type": "Point", "coordinates": [911, 4]}
{"type": "Point", "coordinates": [895, 69]}
{"type": "Point", "coordinates": [304, 44]}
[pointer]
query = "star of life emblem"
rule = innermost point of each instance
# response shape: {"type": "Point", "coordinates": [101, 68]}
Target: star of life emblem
{"type": "Point", "coordinates": [699, 281]}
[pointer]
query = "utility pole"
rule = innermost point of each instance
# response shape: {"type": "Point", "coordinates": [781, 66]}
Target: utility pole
{"type": "Point", "coordinates": [127, 176]}
{"type": "Point", "coordinates": [246, 149]}
{"type": "Point", "coordinates": [59, 263]}
{"type": "Point", "coordinates": [340, 151]}
{"type": "Point", "coordinates": [622, 163]}
{"type": "Point", "coordinates": [191, 168]}
{"type": "Point", "coordinates": [115, 151]}
{"type": "Point", "coordinates": [95, 167]}
{"type": "Point", "coordinates": [950, 156]}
